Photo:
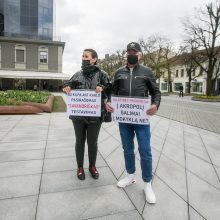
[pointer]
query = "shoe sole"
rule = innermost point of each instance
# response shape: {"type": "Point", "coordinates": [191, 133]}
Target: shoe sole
{"type": "Point", "coordinates": [120, 186]}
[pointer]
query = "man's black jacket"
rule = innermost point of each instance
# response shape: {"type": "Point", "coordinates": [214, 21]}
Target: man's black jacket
{"type": "Point", "coordinates": [139, 82]}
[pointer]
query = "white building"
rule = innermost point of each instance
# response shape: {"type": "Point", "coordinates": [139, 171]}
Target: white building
{"type": "Point", "coordinates": [179, 76]}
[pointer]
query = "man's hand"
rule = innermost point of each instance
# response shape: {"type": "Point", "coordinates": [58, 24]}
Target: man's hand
{"type": "Point", "coordinates": [98, 89]}
{"type": "Point", "coordinates": [109, 107]}
{"type": "Point", "coordinates": [152, 110]}
{"type": "Point", "coordinates": [67, 89]}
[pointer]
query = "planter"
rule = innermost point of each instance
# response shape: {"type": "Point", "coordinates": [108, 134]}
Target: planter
{"type": "Point", "coordinates": [14, 109]}
{"type": "Point", "coordinates": [47, 107]}
{"type": "Point", "coordinates": [28, 107]}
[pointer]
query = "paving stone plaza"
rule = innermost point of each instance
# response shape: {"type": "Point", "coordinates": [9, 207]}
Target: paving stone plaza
{"type": "Point", "coordinates": [38, 168]}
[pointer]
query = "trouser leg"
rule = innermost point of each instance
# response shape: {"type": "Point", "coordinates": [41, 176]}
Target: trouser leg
{"type": "Point", "coordinates": [92, 141]}
{"type": "Point", "coordinates": [80, 132]}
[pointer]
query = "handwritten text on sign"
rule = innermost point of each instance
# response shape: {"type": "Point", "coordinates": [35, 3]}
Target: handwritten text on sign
{"type": "Point", "coordinates": [130, 110]}
{"type": "Point", "coordinates": [84, 103]}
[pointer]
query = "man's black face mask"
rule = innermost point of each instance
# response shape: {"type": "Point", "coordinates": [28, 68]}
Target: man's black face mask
{"type": "Point", "coordinates": [132, 59]}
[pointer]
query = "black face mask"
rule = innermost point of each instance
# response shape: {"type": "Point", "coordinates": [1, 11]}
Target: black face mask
{"type": "Point", "coordinates": [85, 63]}
{"type": "Point", "coordinates": [132, 59]}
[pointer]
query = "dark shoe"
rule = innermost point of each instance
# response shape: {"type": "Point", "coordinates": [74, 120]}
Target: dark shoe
{"type": "Point", "coordinates": [80, 173]}
{"type": "Point", "coordinates": [94, 172]}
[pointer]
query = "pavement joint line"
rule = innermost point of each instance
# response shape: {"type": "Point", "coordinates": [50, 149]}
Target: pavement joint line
{"type": "Point", "coordinates": [209, 156]}
{"type": "Point", "coordinates": [68, 170]}
{"type": "Point", "coordinates": [190, 171]}
{"type": "Point", "coordinates": [17, 197]}
{"type": "Point", "coordinates": [35, 174]}
{"type": "Point", "coordinates": [194, 109]}
{"type": "Point", "coordinates": [48, 129]}
{"type": "Point", "coordinates": [4, 136]}
{"type": "Point", "coordinates": [12, 142]}
{"type": "Point", "coordinates": [112, 151]}
{"type": "Point", "coordinates": [179, 195]}
{"type": "Point", "coordinates": [122, 189]}
{"type": "Point", "coordinates": [189, 124]}
{"type": "Point", "coordinates": [157, 162]}
{"type": "Point", "coordinates": [185, 169]}
{"type": "Point", "coordinates": [112, 135]}
{"type": "Point", "coordinates": [21, 150]}
{"type": "Point", "coordinates": [118, 213]}
{"type": "Point", "coordinates": [14, 161]}
{"type": "Point", "coordinates": [197, 212]}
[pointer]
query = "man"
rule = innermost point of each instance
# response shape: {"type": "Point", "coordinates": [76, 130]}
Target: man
{"type": "Point", "coordinates": [136, 80]}
{"type": "Point", "coordinates": [181, 90]}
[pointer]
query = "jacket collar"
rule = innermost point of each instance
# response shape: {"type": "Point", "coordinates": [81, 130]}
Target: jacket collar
{"type": "Point", "coordinates": [135, 67]}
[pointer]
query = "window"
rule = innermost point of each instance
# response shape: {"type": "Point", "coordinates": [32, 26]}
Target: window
{"type": "Point", "coordinates": [43, 57]}
{"type": "Point", "coordinates": [177, 86]}
{"type": "Point", "coordinates": [19, 56]}
{"type": "Point", "coordinates": [182, 72]}
{"type": "Point", "coordinates": [1, 25]}
{"type": "Point", "coordinates": [197, 86]}
{"type": "Point", "coordinates": [177, 73]}
{"type": "Point", "coordinates": [201, 71]}
{"type": "Point", "coordinates": [163, 86]}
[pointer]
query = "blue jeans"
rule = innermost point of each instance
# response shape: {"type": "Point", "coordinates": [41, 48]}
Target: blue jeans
{"type": "Point", "coordinates": [127, 132]}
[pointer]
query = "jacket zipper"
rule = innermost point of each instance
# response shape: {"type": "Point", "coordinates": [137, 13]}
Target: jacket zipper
{"type": "Point", "coordinates": [131, 71]}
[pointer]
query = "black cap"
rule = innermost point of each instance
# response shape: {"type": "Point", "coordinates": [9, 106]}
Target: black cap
{"type": "Point", "coordinates": [134, 46]}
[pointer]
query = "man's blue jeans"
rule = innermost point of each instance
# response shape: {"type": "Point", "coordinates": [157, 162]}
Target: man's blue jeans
{"type": "Point", "coordinates": [127, 132]}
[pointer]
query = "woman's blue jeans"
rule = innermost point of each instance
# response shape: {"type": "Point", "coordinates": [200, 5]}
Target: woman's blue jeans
{"type": "Point", "coordinates": [127, 132]}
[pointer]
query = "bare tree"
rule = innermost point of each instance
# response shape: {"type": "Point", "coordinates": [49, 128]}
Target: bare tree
{"type": "Point", "coordinates": [159, 55]}
{"type": "Point", "coordinates": [112, 62]}
{"type": "Point", "coordinates": [170, 58]}
{"type": "Point", "coordinates": [153, 53]}
{"type": "Point", "coordinates": [205, 32]}
{"type": "Point", "coordinates": [187, 58]}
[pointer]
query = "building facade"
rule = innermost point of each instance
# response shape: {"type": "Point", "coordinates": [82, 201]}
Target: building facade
{"type": "Point", "coordinates": [27, 19]}
{"type": "Point", "coordinates": [179, 77]}
{"type": "Point", "coordinates": [29, 56]}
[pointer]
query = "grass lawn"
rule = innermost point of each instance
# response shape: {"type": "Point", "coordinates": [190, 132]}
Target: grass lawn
{"type": "Point", "coordinates": [58, 104]}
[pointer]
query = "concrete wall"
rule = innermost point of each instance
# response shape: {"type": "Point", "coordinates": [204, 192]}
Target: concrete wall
{"type": "Point", "coordinates": [32, 57]}
{"type": "Point", "coordinates": [7, 55]}
{"type": "Point", "coordinates": [53, 58]}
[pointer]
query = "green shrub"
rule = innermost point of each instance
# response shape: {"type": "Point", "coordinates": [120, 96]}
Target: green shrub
{"type": "Point", "coordinates": [15, 97]}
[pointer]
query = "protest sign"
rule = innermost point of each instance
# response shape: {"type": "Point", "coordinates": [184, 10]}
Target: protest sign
{"type": "Point", "coordinates": [84, 103]}
{"type": "Point", "coordinates": [130, 110]}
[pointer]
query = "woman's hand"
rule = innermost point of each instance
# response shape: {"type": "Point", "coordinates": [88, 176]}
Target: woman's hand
{"type": "Point", "coordinates": [109, 107]}
{"type": "Point", "coordinates": [98, 89]}
{"type": "Point", "coordinates": [67, 89]}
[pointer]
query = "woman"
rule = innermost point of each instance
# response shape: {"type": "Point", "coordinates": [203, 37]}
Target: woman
{"type": "Point", "coordinates": [89, 77]}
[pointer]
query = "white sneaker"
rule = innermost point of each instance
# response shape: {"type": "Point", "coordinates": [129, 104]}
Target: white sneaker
{"type": "Point", "coordinates": [149, 193]}
{"type": "Point", "coordinates": [128, 180]}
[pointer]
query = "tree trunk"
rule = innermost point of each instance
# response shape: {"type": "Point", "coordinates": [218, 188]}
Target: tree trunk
{"type": "Point", "coordinates": [170, 86]}
{"type": "Point", "coordinates": [209, 86]}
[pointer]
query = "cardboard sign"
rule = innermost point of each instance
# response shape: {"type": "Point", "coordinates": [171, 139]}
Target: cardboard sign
{"type": "Point", "coordinates": [130, 110]}
{"type": "Point", "coordinates": [84, 103]}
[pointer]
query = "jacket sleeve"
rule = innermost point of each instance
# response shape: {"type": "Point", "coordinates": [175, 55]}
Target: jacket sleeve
{"type": "Point", "coordinates": [115, 84]}
{"type": "Point", "coordinates": [154, 90]}
{"type": "Point", "coordinates": [105, 84]}
{"type": "Point", "coordinates": [73, 82]}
